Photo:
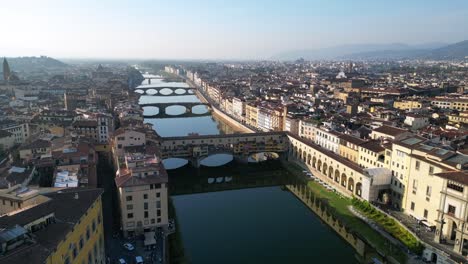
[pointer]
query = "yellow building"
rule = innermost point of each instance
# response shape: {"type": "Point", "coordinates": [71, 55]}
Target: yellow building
{"type": "Point", "coordinates": [371, 155]}
{"type": "Point", "coordinates": [407, 104]}
{"type": "Point", "coordinates": [67, 228]}
{"type": "Point", "coordinates": [349, 147]}
{"type": "Point", "coordinates": [460, 104]}
{"type": "Point", "coordinates": [251, 114]}
{"type": "Point", "coordinates": [461, 118]}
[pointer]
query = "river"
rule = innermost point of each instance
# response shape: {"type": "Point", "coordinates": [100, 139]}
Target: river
{"type": "Point", "coordinates": [254, 225]}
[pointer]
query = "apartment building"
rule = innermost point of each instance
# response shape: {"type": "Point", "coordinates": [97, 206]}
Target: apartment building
{"type": "Point", "coordinates": [349, 147]}
{"type": "Point", "coordinates": [452, 213]}
{"type": "Point", "coordinates": [142, 190]}
{"type": "Point", "coordinates": [328, 139]}
{"type": "Point", "coordinates": [308, 129]}
{"type": "Point", "coordinates": [99, 127]}
{"type": "Point", "coordinates": [251, 114]}
{"type": "Point", "coordinates": [371, 155]}
{"type": "Point", "coordinates": [20, 131]}
{"type": "Point", "coordinates": [127, 137]}
{"type": "Point", "coordinates": [57, 227]}
{"type": "Point", "coordinates": [407, 104]}
{"type": "Point", "coordinates": [460, 104]}
{"type": "Point", "coordinates": [238, 108]}
{"type": "Point", "coordinates": [389, 132]}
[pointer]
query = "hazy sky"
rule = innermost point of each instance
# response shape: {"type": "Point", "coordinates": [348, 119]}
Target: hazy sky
{"type": "Point", "coordinates": [219, 28]}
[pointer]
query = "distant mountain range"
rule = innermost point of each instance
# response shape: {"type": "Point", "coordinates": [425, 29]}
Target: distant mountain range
{"type": "Point", "coordinates": [394, 51]}
{"type": "Point", "coordinates": [34, 64]}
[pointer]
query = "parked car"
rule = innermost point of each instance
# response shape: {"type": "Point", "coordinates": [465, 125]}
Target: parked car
{"type": "Point", "coordinates": [128, 246]}
{"type": "Point", "coordinates": [122, 261]}
{"type": "Point", "coordinates": [139, 260]}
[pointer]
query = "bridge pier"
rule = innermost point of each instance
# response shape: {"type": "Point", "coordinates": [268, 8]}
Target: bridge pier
{"type": "Point", "coordinates": [243, 159]}
{"type": "Point", "coordinates": [195, 162]}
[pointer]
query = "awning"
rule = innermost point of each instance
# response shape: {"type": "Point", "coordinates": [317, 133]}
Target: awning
{"type": "Point", "coordinates": [418, 218]}
{"type": "Point", "coordinates": [427, 224]}
{"type": "Point", "coordinates": [149, 239]}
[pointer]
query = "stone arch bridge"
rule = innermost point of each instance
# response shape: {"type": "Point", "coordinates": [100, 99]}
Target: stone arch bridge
{"type": "Point", "coordinates": [241, 146]}
{"type": "Point", "coordinates": [162, 113]}
{"type": "Point", "coordinates": [144, 90]}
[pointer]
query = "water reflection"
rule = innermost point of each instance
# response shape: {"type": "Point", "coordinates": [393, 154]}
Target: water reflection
{"type": "Point", "coordinates": [150, 110]}
{"type": "Point", "coordinates": [174, 163]}
{"type": "Point", "coordinates": [216, 160]}
{"type": "Point", "coordinates": [175, 110]}
{"type": "Point", "coordinates": [200, 109]}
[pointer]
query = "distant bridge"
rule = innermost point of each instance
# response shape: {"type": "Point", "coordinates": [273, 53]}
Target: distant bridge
{"type": "Point", "coordinates": [167, 79]}
{"type": "Point", "coordinates": [162, 113]}
{"type": "Point", "coordinates": [241, 146]}
{"type": "Point", "coordinates": [185, 90]}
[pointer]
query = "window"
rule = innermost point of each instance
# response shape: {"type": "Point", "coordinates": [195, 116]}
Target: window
{"type": "Point", "coordinates": [451, 209]}
{"type": "Point", "coordinates": [159, 220]}
{"type": "Point", "coordinates": [94, 225]}
{"type": "Point", "coordinates": [129, 206]}
{"type": "Point", "coordinates": [412, 206]}
{"type": "Point", "coordinates": [75, 251]}
{"type": "Point", "coordinates": [146, 214]}
{"type": "Point", "coordinates": [425, 213]}
{"type": "Point", "coordinates": [130, 215]}
{"type": "Point", "coordinates": [145, 205]}
{"type": "Point", "coordinates": [129, 198]}
{"type": "Point", "coordinates": [431, 170]}
{"type": "Point", "coordinates": [153, 220]}
{"type": "Point", "coordinates": [428, 191]}
{"type": "Point", "coordinates": [158, 204]}
{"type": "Point", "coordinates": [455, 187]}
{"type": "Point", "coordinates": [88, 233]}
{"type": "Point", "coordinates": [159, 212]}
{"type": "Point", "coordinates": [81, 242]}
{"type": "Point", "coordinates": [158, 194]}
{"type": "Point", "coordinates": [418, 164]}
{"type": "Point", "coordinates": [145, 196]}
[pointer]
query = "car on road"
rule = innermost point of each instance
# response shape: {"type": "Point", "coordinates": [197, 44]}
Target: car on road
{"type": "Point", "coordinates": [128, 246]}
{"type": "Point", "coordinates": [122, 261]}
{"type": "Point", "coordinates": [139, 260]}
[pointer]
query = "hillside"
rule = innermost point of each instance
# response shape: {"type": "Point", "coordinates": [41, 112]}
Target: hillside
{"type": "Point", "coordinates": [454, 51]}
{"type": "Point", "coordinates": [34, 64]}
{"type": "Point", "coordinates": [430, 51]}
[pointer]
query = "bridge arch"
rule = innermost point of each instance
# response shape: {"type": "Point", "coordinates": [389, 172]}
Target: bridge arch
{"type": "Point", "coordinates": [314, 162]}
{"type": "Point", "coordinates": [216, 159]}
{"type": "Point", "coordinates": [304, 156]}
{"type": "Point", "coordinates": [319, 165]}
{"type": "Point", "coordinates": [309, 157]}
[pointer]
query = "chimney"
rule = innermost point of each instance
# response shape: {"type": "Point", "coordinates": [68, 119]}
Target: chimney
{"type": "Point", "coordinates": [76, 196]}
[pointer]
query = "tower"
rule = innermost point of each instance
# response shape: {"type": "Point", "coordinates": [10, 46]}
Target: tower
{"type": "Point", "coordinates": [6, 70]}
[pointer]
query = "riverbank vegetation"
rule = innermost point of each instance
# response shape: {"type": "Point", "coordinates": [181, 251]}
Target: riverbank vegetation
{"type": "Point", "coordinates": [389, 225]}
{"type": "Point", "coordinates": [339, 207]}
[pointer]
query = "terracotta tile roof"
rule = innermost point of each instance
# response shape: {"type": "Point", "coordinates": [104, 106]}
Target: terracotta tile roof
{"type": "Point", "coordinates": [389, 130]}
{"type": "Point", "coordinates": [457, 176]}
